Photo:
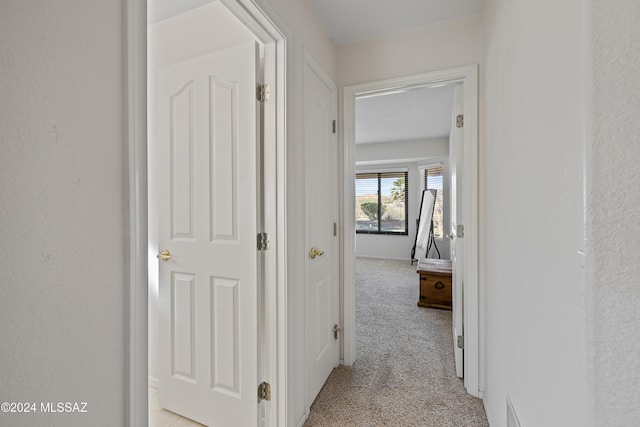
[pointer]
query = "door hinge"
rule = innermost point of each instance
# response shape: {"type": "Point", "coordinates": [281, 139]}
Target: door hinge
{"type": "Point", "coordinates": [263, 92]}
{"type": "Point", "coordinates": [335, 126]}
{"type": "Point", "coordinates": [460, 342]}
{"type": "Point", "coordinates": [335, 229]}
{"type": "Point", "coordinates": [264, 391]}
{"type": "Point", "coordinates": [263, 241]}
{"type": "Point", "coordinates": [460, 231]}
{"type": "Point", "coordinates": [460, 120]}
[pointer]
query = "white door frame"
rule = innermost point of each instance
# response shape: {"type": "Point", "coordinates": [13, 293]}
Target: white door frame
{"type": "Point", "coordinates": [468, 76]}
{"type": "Point", "coordinates": [263, 22]}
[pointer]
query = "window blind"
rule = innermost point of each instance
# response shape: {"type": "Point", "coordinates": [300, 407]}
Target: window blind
{"type": "Point", "coordinates": [381, 199]}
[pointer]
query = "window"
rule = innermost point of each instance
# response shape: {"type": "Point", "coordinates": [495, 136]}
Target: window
{"type": "Point", "coordinates": [433, 180]}
{"type": "Point", "coordinates": [381, 199]}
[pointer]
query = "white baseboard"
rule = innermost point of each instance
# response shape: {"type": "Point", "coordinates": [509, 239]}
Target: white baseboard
{"type": "Point", "coordinates": [486, 410]}
{"type": "Point", "coordinates": [153, 382]}
{"type": "Point", "coordinates": [383, 258]}
{"type": "Point", "coordinates": [303, 418]}
{"type": "Point", "coordinates": [512, 417]}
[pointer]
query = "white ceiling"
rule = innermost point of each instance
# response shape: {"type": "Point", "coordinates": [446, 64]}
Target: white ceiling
{"type": "Point", "coordinates": [414, 114]}
{"type": "Point", "coordinates": [348, 21]}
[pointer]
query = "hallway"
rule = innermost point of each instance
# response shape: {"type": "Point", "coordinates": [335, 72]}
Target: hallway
{"type": "Point", "coordinates": [404, 374]}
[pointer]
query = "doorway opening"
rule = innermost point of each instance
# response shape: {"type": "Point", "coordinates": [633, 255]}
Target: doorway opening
{"type": "Point", "coordinates": [467, 79]}
{"type": "Point", "coordinates": [238, 23]}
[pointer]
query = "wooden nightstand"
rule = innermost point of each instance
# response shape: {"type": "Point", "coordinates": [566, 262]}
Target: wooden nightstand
{"type": "Point", "coordinates": [435, 283]}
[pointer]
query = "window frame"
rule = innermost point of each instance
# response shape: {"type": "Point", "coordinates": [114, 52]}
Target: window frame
{"type": "Point", "coordinates": [380, 175]}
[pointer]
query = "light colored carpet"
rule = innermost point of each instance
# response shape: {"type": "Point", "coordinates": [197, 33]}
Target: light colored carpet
{"type": "Point", "coordinates": [404, 374]}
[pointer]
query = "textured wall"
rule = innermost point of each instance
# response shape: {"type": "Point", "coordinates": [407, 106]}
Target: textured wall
{"type": "Point", "coordinates": [613, 220]}
{"type": "Point", "coordinates": [62, 209]}
{"type": "Point", "coordinates": [532, 220]}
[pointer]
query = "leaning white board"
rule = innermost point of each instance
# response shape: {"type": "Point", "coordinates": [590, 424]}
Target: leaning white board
{"type": "Point", "coordinates": [424, 225]}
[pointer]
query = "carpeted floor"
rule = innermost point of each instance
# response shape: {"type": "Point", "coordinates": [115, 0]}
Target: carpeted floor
{"type": "Point", "coordinates": [404, 374]}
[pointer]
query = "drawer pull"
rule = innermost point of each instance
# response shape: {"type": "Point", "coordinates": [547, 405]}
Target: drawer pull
{"type": "Point", "coordinates": [439, 285]}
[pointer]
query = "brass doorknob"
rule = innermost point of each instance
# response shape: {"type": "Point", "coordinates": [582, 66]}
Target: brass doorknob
{"type": "Point", "coordinates": [165, 255]}
{"type": "Point", "coordinates": [313, 253]}
{"type": "Point", "coordinates": [335, 331]}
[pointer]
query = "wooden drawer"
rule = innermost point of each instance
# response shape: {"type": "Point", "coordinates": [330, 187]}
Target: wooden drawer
{"type": "Point", "coordinates": [435, 283]}
{"type": "Point", "coordinates": [435, 291]}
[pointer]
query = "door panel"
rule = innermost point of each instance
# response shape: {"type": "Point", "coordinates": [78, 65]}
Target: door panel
{"type": "Point", "coordinates": [321, 187]}
{"type": "Point", "coordinates": [321, 300]}
{"type": "Point", "coordinates": [183, 343]}
{"type": "Point", "coordinates": [182, 130]}
{"type": "Point", "coordinates": [224, 327]}
{"type": "Point", "coordinates": [208, 222]}
{"type": "Point", "coordinates": [224, 160]}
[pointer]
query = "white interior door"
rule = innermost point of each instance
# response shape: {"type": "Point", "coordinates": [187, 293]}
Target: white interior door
{"type": "Point", "coordinates": [208, 215]}
{"type": "Point", "coordinates": [321, 187]}
{"type": "Point", "coordinates": [456, 147]}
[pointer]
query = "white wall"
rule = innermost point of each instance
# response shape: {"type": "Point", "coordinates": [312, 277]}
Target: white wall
{"type": "Point", "coordinates": [408, 155]}
{"type": "Point", "coordinates": [63, 214]}
{"type": "Point", "coordinates": [532, 217]}
{"type": "Point", "coordinates": [613, 214]}
{"type": "Point", "coordinates": [435, 47]}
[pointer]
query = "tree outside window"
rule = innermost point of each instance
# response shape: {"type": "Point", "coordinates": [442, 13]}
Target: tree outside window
{"type": "Point", "coordinates": [381, 203]}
